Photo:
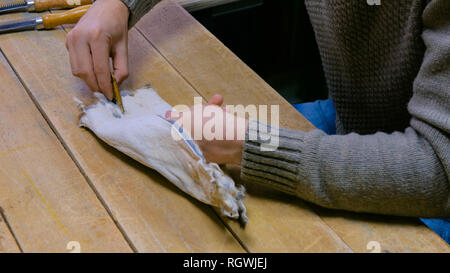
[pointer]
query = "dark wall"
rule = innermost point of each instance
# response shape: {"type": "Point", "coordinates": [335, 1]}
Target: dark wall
{"type": "Point", "coordinates": [274, 38]}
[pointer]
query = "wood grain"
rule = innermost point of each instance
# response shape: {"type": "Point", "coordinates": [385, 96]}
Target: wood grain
{"type": "Point", "coordinates": [44, 197]}
{"type": "Point", "coordinates": [7, 242]}
{"type": "Point", "coordinates": [156, 216]}
{"type": "Point", "coordinates": [278, 223]}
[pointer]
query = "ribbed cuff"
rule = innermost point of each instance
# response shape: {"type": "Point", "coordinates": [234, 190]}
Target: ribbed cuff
{"type": "Point", "coordinates": [280, 168]}
{"type": "Point", "coordinates": [138, 8]}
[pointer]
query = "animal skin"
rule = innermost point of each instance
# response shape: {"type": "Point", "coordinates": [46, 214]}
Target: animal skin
{"type": "Point", "coordinates": [143, 134]}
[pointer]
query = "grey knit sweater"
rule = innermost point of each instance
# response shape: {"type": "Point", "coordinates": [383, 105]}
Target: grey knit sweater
{"type": "Point", "coordinates": [388, 73]}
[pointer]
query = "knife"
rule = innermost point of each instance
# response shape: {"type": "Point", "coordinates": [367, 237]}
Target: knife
{"type": "Point", "coordinates": [47, 21]}
{"type": "Point", "coordinates": [117, 99]}
{"type": "Point", "coordinates": [40, 5]}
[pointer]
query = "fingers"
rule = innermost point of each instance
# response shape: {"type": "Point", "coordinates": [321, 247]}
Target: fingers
{"type": "Point", "coordinates": [217, 99]}
{"type": "Point", "coordinates": [120, 61]}
{"type": "Point", "coordinates": [81, 60]}
{"type": "Point", "coordinates": [100, 58]}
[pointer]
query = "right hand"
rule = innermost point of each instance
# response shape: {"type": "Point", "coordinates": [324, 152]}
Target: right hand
{"type": "Point", "coordinates": [100, 34]}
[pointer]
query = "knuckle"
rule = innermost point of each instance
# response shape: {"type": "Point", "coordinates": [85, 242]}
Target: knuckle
{"type": "Point", "coordinates": [94, 33]}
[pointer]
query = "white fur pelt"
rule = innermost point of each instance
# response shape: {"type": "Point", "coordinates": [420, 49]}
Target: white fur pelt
{"type": "Point", "coordinates": [144, 134]}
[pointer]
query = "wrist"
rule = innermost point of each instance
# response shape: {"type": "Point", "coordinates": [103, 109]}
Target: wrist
{"type": "Point", "coordinates": [124, 6]}
{"type": "Point", "coordinates": [123, 9]}
{"type": "Point", "coordinates": [239, 142]}
{"type": "Point", "coordinates": [118, 6]}
{"type": "Point", "coordinates": [237, 155]}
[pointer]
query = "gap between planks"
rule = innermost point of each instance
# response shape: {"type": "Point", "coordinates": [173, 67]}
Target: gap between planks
{"type": "Point", "coordinates": [5, 220]}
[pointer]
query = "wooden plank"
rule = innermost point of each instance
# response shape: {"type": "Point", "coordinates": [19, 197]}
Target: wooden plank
{"type": "Point", "coordinates": [44, 197]}
{"type": "Point", "coordinates": [394, 234]}
{"type": "Point", "coordinates": [156, 216]}
{"type": "Point", "coordinates": [211, 68]}
{"type": "Point", "coordinates": [7, 242]}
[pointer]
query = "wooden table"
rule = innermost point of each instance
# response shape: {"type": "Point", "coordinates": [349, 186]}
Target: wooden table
{"type": "Point", "coordinates": [61, 188]}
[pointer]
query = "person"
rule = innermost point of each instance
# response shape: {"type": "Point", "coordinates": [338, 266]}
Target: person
{"type": "Point", "coordinates": [387, 68]}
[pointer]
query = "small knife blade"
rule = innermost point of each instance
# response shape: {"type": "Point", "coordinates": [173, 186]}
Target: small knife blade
{"type": "Point", "coordinates": [16, 6]}
{"type": "Point", "coordinates": [117, 99]}
{"type": "Point", "coordinates": [21, 25]}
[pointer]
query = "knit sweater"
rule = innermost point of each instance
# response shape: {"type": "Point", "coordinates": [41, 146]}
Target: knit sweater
{"type": "Point", "coordinates": [388, 72]}
{"type": "Point", "coordinates": [138, 8]}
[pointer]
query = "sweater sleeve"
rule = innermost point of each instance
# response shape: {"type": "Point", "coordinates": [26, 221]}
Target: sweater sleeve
{"type": "Point", "coordinates": [403, 173]}
{"type": "Point", "coordinates": [138, 8]}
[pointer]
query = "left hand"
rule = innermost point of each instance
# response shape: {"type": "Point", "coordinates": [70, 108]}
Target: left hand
{"type": "Point", "coordinates": [225, 150]}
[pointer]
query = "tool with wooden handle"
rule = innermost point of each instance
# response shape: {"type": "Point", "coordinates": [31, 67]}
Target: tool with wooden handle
{"type": "Point", "coordinates": [47, 21]}
{"type": "Point", "coordinates": [40, 5]}
{"type": "Point", "coordinates": [117, 99]}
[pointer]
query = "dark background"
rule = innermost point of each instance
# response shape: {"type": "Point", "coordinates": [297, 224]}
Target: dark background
{"type": "Point", "coordinates": [274, 38]}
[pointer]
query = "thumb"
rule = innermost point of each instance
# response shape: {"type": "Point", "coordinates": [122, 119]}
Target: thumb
{"type": "Point", "coordinates": [217, 99]}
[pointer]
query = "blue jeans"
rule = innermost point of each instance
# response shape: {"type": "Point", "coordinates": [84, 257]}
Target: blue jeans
{"type": "Point", "coordinates": [322, 114]}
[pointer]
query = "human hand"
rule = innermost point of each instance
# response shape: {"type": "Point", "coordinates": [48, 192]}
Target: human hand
{"type": "Point", "coordinates": [219, 134]}
{"type": "Point", "coordinates": [100, 34]}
